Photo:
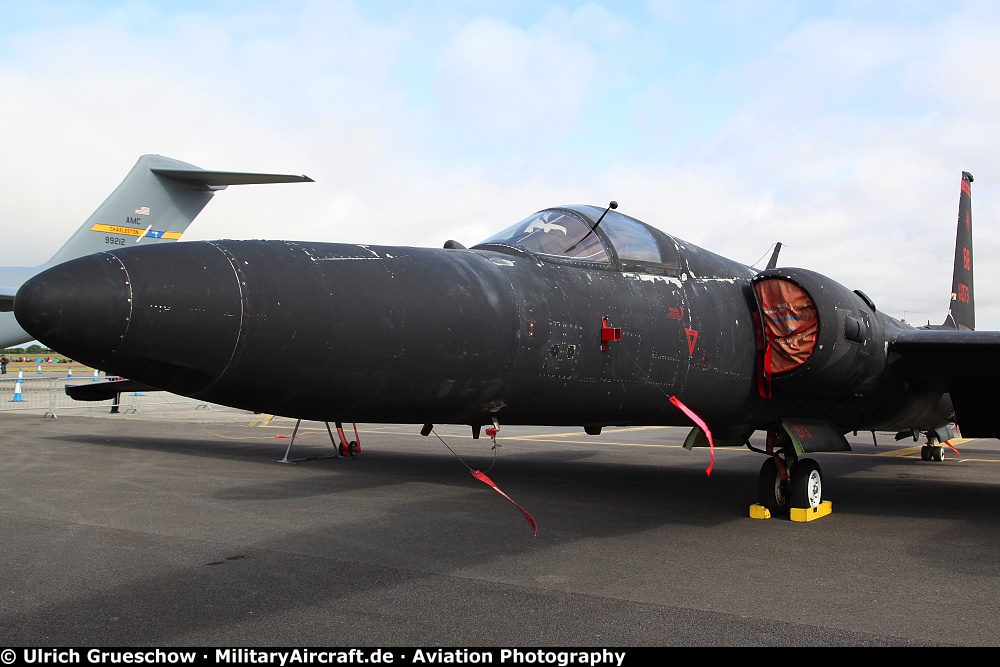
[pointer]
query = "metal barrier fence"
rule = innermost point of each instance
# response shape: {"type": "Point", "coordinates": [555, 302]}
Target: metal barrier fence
{"type": "Point", "coordinates": [48, 395]}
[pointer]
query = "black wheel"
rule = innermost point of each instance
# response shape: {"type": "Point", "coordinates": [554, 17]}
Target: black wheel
{"type": "Point", "coordinates": [937, 453]}
{"type": "Point", "coordinates": [925, 453]}
{"type": "Point", "coordinates": [806, 484]}
{"type": "Point", "coordinates": [355, 448]}
{"type": "Point", "coordinates": [772, 491]}
{"type": "Point", "coordinates": [344, 449]}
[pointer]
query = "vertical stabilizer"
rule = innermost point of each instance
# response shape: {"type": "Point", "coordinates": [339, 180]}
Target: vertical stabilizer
{"type": "Point", "coordinates": [962, 312]}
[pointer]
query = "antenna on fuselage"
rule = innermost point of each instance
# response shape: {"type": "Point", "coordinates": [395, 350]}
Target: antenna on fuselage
{"type": "Point", "coordinates": [612, 205]}
{"type": "Point", "coordinates": [773, 262]}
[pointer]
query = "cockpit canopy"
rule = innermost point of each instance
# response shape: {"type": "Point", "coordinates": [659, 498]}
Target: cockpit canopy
{"type": "Point", "coordinates": [569, 233]}
{"type": "Point", "coordinates": [557, 232]}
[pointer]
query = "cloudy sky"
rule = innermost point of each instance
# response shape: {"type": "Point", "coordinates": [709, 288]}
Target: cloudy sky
{"type": "Point", "coordinates": [837, 128]}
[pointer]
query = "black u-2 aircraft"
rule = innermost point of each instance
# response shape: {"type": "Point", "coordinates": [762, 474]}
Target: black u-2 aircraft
{"type": "Point", "coordinates": [577, 315]}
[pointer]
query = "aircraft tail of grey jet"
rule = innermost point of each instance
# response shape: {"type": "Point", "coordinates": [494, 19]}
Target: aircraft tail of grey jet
{"type": "Point", "coordinates": [155, 203]}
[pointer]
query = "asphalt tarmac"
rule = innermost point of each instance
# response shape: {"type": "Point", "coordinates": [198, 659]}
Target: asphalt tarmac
{"type": "Point", "coordinates": [177, 527]}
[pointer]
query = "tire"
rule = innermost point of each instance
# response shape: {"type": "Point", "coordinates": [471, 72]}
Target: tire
{"type": "Point", "coordinates": [772, 491]}
{"type": "Point", "coordinates": [937, 453]}
{"type": "Point", "coordinates": [354, 448]}
{"type": "Point", "coordinates": [806, 484]}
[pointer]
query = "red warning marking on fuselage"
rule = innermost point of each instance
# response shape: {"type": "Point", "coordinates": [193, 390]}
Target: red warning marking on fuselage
{"type": "Point", "coordinates": [692, 335]}
{"type": "Point", "coordinates": [676, 313]}
{"type": "Point", "coordinates": [801, 431]}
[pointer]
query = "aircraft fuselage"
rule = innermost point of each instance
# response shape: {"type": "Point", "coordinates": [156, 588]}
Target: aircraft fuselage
{"type": "Point", "coordinates": [337, 332]}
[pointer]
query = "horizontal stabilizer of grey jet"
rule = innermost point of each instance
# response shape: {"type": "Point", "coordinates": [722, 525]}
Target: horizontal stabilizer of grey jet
{"type": "Point", "coordinates": [221, 179]}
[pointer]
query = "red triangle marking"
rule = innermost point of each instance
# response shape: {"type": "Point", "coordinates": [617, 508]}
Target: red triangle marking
{"type": "Point", "coordinates": [692, 339]}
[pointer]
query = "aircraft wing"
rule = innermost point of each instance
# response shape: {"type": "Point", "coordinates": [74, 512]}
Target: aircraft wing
{"type": "Point", "coordinates": [967, 362]}
{"type": "Point", "coordinates": [102, 391]}
{"type": "Point", "coordinates": [952, 355]}
{"type": "Point", "coordinates": [7, 299]}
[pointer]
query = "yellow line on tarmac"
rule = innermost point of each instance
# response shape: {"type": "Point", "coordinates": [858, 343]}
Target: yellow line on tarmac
{"type": "Point", "coordinates": [910, 451]}
{"type": "Point", "coordinates": [261, 420]}
{"type": "Point", "coordinates": [906, 451]}
{"type": "Point", "coordinates": [545, 436]}
{"type": "Point", "coordinates": [534, 438]}
{"type": "Point", "coordinates": [265, 422]}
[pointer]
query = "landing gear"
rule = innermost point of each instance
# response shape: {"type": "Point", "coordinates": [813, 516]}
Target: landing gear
{"type": "Point", "coordinates": [786, 481]}
{"type": "Point", "coordinates": [345, 449]}
{"type": "Point", "coordinates": [937, 439]}
{"type": "Point", "coordinates": [800, 486]}
{"type": "Point", "coordinates": [933, 449]}
{"type": "Point", "coordinates": [352, 448]}
{"type": "Point", "coordinates": [772, 490]}
{"type": "Point", "coordinates": [932, 453]}
{"type": "Point", "coordinates": [806, 484]}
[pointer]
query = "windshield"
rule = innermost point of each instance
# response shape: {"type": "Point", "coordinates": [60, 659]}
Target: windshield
{"type": "Point", "coordinates": [630, 239]}
{"type": "Point", "coordinates": [554, 232]}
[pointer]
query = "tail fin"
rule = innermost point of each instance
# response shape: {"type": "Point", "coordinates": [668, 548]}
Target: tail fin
{"type": "Point", "coordinates": [962, 311]}
{"type": "Point", "coordinates": [156, 202]}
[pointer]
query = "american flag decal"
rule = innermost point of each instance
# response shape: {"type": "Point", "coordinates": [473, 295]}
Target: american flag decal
{"type": "Point", "coordinates": [142, 210]}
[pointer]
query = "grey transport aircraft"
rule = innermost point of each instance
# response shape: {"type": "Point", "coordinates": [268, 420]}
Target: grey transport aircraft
{"type": "Point", "coordinates": [155, 203]}
{"type": "Point", "coordinates": [574, 316]}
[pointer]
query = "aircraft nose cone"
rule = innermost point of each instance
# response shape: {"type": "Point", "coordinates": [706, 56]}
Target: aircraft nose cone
{"type": "Point", "coordinates": [80, 308]}
{"type": "Point", "coordinates": [166, 315]}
